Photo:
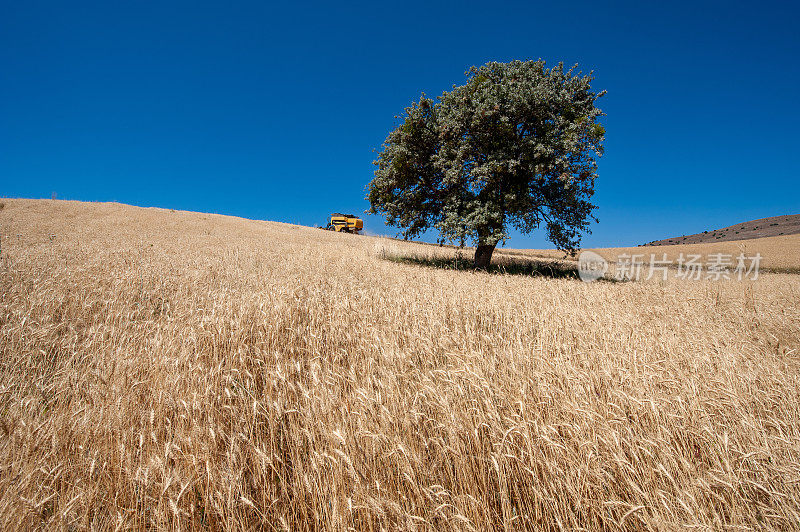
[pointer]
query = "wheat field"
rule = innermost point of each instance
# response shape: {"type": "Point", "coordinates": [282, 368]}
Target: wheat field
{"type": "Point", "coordinates": [175, 370]}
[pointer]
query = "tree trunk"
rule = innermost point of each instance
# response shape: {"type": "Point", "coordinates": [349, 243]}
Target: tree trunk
{"type": "Point", "coordinates": [483, 256]}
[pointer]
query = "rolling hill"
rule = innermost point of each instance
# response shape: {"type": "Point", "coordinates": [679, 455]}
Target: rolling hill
{"type": "Point", "coordinates": [763, 227]}
{"type": "Point", "coordinates": [164, 369]}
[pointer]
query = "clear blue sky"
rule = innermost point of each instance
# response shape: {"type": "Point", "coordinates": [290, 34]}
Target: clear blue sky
{"type": "Point", "coordinates": [273, 111]}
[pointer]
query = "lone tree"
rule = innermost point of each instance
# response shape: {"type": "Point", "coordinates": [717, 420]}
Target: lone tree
{"type": "Point", "coordinates": [513, 147]}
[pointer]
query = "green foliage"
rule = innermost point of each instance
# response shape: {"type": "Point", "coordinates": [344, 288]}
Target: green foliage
{"type": "Point", "coordinates": [513, 147]}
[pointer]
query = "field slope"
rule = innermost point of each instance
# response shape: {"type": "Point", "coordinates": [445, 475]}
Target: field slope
{"type": "Point", "coordinates": [180, 370]}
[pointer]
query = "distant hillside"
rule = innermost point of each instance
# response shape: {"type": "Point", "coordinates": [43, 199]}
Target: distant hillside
{"type": "Point", "coordinates": [774, 226]}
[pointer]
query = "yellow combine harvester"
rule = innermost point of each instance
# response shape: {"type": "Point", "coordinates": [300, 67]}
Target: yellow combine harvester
{"type": "Point", "coordinates": [345, 223]}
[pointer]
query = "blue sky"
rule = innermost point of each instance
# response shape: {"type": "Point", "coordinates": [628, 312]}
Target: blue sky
{"type": "Point", "coordinates": [274, 111]}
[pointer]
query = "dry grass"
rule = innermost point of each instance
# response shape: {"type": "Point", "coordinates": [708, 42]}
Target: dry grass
{"type": "Point", "coordinates": [175, 370]}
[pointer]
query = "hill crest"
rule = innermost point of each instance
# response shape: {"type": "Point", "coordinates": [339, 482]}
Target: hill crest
{"type": "Point", "coordinates": [763, 227]}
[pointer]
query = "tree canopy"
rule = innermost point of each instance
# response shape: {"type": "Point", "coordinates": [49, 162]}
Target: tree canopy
{"type": "Point", "coordinates": [515, 146]}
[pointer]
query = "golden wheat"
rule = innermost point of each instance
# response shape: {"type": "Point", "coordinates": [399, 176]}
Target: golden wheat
{"type": "Point", "coordinates": [176, 370]}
